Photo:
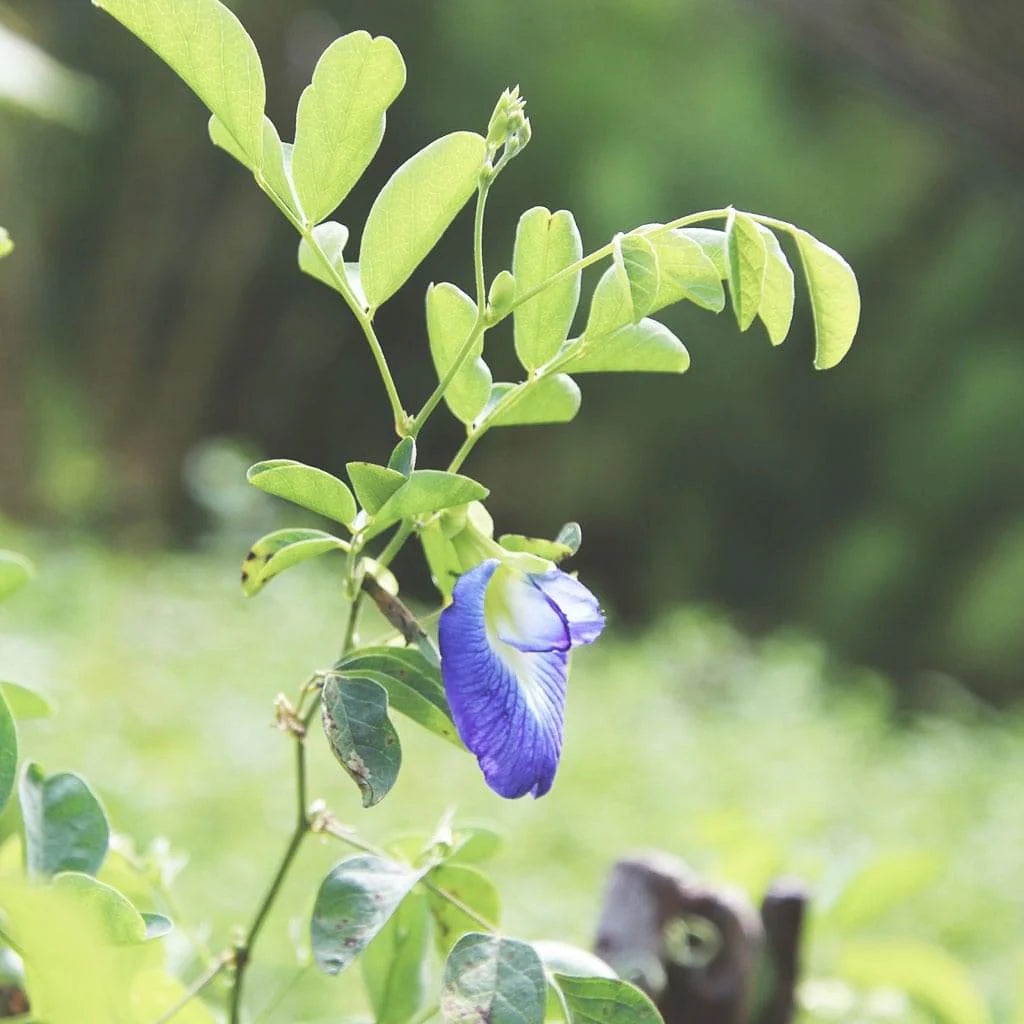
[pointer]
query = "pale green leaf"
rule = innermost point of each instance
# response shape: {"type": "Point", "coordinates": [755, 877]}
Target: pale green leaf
{"type": "Point", "coordinates": [8, 752]}
{"type": "Point", "coordinates": [712, 241]}
{"type": "Point", "coordinates": [598, 1000]}
{"type": "Point", "coordinates": [355, 900]}
{"type": "Point", "coordinates": [489, 979]}
{"type": "Point", "coordinates": [305, 486]}
{"type": "Point", "coordinates": [15, 572]}
{"type": "Point", "coordinates": [328, 265]}
{"type": "Point", "coordinates": [117, 920]}
{"type": "Point", "coordinates": [340, 119]}
{"type": "Point", "coordinates": [545, 244]}
{"type": "Point", "coordinates": [553, 399]}
{"type": "Point", "coordinates": [373, 484]}
{"type": "Point", "coordinates": [395, 963]}
{"type": "Point", "coordinates": [426, 491]}
{"type": "Point", "coordinates": [745, 257]}
{"type": "Point", "coordinates": [414, 209]}
{"type": "Point", "coordinates": [277, 167]}
{"type": "Point", "coordinates": [611, 305]}
{"type": "Point", "coordinates": [882, 884]}
{"type": "Point", "coordinates": [210, 50]}
{"type": "Point", "coordinates": [776, 310]}
{"type": "Point", "coordinates": [686, 271]}
{"type": "Point", "coordinates": [640, 260]}
{"type": "Point", "coordinates": [469, 888]}
{"type": "Point", "coordinates": [562, 958]}
{"type": "Point", "coordinates": [354, 710]}
{"type": "Point", "coordinates": [451, 317]}
{"type": "Point", "coordinates": [644, 347]}
{"type": "Point", "coordinates": [25, 703]}
{"type": "Point", "coordinates": [282, 549]}
{"type": "Point", "coordinates": [835, 299]}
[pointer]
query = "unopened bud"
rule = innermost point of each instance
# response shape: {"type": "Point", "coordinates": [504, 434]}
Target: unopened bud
{"type": "Point", "coordinates": [502, 293]}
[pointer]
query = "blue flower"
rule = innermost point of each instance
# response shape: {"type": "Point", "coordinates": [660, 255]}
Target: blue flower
{"type": "Point", "coordinates": [505, 642]}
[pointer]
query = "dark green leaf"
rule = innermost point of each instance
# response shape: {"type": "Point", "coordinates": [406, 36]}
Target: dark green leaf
{"type": "Point", "coordinates": [211, 51]}
{"type": "Point", "coordinates": [451, 317]}
{"type": "Point", "coordinates": [15, 572]}
{"type": "Point", "coordinates": [467, 887]}
{"type": "Point", "coordinates": [554, 399]}
{"type": "Point", "coordinates": [395, 963]}
{"type": "Point", "coordinates": [835, 299]}
{"type": "Point", "coordinates": [65, 827]}
{"type": "Point", "coordinates": [305, 486]}
{"type": "Point", "coordinates": [745, 256]}
{"type": "Point", "coordinates": [776, 311]}
{"type": "Point", "coordinates": [8, 752]}
{"type": "Point", "coordinates": [426, 491]}
{"type": "Point", "coordinates": [403, 458]}
{"type": "Point", "coordinates": [492, 980]}
{"type": "Point", "coordinates": [282, 549]}
{"type": "Point", "coordinates": [355, 900]}
{"type": "Point", "coordinates": [415, 208]}
{"type": "Point", "coordinates": [355, 716]}
{"type": "Point", "coordinates": [340, 120]}
{"type": "Point", "coordinates": [413, 685]}
{"type": "Point", "coordinates": [25, 703]}
{"type": "Point", "coordinates": [605, 1001]}
{"type": "Point", "coordinates": [373, 484]}
{"type": "Point", "coordinates": [545, 244]}
{"type": "Point", "coordinates": [644, 347]}
{"type": "Point", "coordinates": [640, 261]}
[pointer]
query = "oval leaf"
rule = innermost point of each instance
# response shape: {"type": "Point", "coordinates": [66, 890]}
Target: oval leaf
{"type": "Point", "coordinates": [776, 310]}
{"type": "Point", "coordinates": [426, 491]}
{"type": "Point", "coordinates": [355, 900]}
{"type": "Point", "coordinates": [373, 484]}
{"type": "Point", "coordinates": [403, 457]}
{"type": "Point", "coordinates": [605, 1001]}
{"type": "Point", "coordinates": [554, 399]}
{"type": "Point", "coordinates": [468, 888]}
{"type": "Point", "coordinates": [395, 964]}
{"type": "Point", "coordinates": [611, 305]}
{"type": "Point", "coordinates": [15, 572]}
{"type": "Point", "coordinates": [355, 716]}
{"type": "Point", "coordinates": [65, 827]}
{"type": "Point", "coordinates": [451, 317]}
{"type": "Point", "coordinates": [8, 752]}
{"type": "Point", "coordinates": [545, 244]}
{"type": "Point", "coordinates": [644, 347]}
{"type": "Point", "coordinates": [686, 271]}
{"type": "Point", "coordinates": [281, 550]}
{"type": "Point", "coordinates": [211, 51]}
{"type": "Point", "coordinates": [835, 299]}
{"type": "Point", "coordinates": [745, 257]}
{"type": "Point", "coordinates": [340, 120]}
{"type": "Point", "coordinates": [571, 535]}
{"type": "Point", "coordinates": [712, 241]}
{"type": "Point", "coordinates": [25, 703]}
{"type": "Point", "coordinates": [414, 208]}
{"type": "Point", "coordinates": [640, 261]}
{"type": "Point", "coordinates": [328, 264]}
{"type": "Point", "coordinates": [305, 486]}
{"type": "Point", "coordinates": [492, 980]}
{"type": "Point", "coordinates": [115, 918]}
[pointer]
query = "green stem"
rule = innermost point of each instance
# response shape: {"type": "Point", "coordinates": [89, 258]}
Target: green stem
{"type": "Point", "coordinates": [197, 986]}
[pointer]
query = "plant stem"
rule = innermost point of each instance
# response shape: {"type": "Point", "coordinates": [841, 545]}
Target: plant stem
{"type": "Point", "coordinates": [221, 963]}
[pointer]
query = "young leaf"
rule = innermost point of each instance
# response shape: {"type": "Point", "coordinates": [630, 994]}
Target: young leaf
{"type": "Point", "coordinates": [712, 241]}
{"type": "Point", "coordinates": [403, 457]}
{"type": "Point", "coordinates": [686, 271]}
{"type": "Point", "coordinates": [331, 238]}
{"type": "Point", "coordinates": [644, 347]}
{"type": "Point", "coordinates": [470, 888]}
{"type": "Point", "coordinates": [545, 244]}
{"type": "Point", "coordinates": [25, 703]}
{"type": "Point", "coordinates": [426, 491]}
{"type": "Point", "coordinates": [373, 484]}
{"type": "Point", "coordinates": [413, 685]}
{"type": "Point", "coordinates": [15, 572]}
{"type": "Point", "coordinates": [776, 310]}
{"type": "Point", "coordinates": [554, 399]}
{"type": "Point", "coordinates": [355, 900]}
{"type": "Point", "coordinates": [451, 316]}
{"type": "Point", "coordinates": [157, 925]}
{"type": "Point", "coordinates": [414, 208]}
{"type": "Point", "coordinates": [340, 119]}
{"type": "Point", "coordinates": [65, 827]}
{"type": "Point", "coordinates": [305, 486]}
{"type": "Point", "coordinates": [549, 549]}
{"type": "Point", "coordinates": [640, 261]}
{"type": "Point", "coordinates": [571, 535]}
{"type": "Point", "coordinates": [745, 256]}
{"type": "Point", "coordinates": [395, 963]}
{"type": "Point", "coordinates": [211, 51]}
{"type": "Point", "coordinates": [355, 716]}
{"type": "Point", "coordinates": [611, 305]}
{"type": "Point", "coordinates": [835, 299]}
{"type": "Point", "coordinates": [282, 549]}
{"type": "Point", "coordinates": [8, 752]}
{"type": "Point", "coordinates": [594, 1000]}
{"type": "Point", "coordinates": [492, 980]}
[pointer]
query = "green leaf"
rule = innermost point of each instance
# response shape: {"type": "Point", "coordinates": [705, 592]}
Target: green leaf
{"type": "Point", "coordinates": [571, 535]}
{"type": "Point", "coordinates": [545, 244]}
{"type": "Point", "coordinates": [745, 257]}
{"type": "Point", "coordinates": [489, 979]}
{"type": "Point", "coordinates": [340, 120]}
{"type": "Point", "coordinates": [562, 958]}
{"type": "Point", "coordinates": [835, 299]}
{"type": "Point", "coordinates": [395, 963]}
{"type": "Point", "coordinates": [640, 261]}
{"type": "Point", "coordinates": [451, 317]}
{"type": "Point", "coordinates": [65, 827]}
{"type": "Point", "coordinates": [413, 685]}
{"type": "Point", "coordinates": [686, 272]}
{"type": "Point", "coordinates": [373, 484]}
{"type": "Point", "coordinates": [305, 486]}
{"type": "Point", "coordinates": [355, 716]}
{"type": "Point", "coordinates": [15, 572]}
{"type": "Point", "coordinates": [929, 975]}
{"type": "Point", "coordinates": [276, 161]}
{"type": "Point", "coordinates": [403, 457]}
{"type": "Point", "coordinates": [282, 549]}
{"type": "Point", "coordinates": [211, 51]}
{"type": "Point", "coordinates": [331, 238]}
{"type": "Point", "coordinates": [553, 399]}
{"type": "Point", "coordinates": [8, 752]}
{"type": "Point", "coordinates": [117, 920]}
{"type": "Point", "coordinates": [157, 925]}
{"type": "Point", "coordinates": [611, 305]}
{"type": "Point", "coordinates": [883, 883]}
{"type": "Point", "coordinates": [6, 245]}
{"type": "Point", "coordinates": [415, 208]}
{"type": "Point", "coordinates": [595, 1000]}
{"type": "Point", "coordinates": [355, 900]}
{"type": "Point", "coordinates": [24, 703]}
{"type": "Point", "coordinates": [472, 889]}
{"type": "Point", "coordinates": [474, 843]}
{"type": "Point", "coordinates": [776, 309]}
{"type": "Point", "coordinates": [644, 347]}
{"type": "Point", "coordinates": [426, 491]}
{"type": "Point", "coordinates": [712, 241]}
{"type": "Point", "coordinates": [549, 549]}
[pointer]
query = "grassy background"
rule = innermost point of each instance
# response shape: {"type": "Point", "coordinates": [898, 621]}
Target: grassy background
{"type": "Point", "coordinates": [749, 760]}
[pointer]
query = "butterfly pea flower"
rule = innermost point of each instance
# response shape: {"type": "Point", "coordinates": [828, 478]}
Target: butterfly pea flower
{"type": "Point", "coordinates": [505, 641]}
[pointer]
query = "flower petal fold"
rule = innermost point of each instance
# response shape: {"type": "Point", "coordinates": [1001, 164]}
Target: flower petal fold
{"type": "Point", "coordinates": [578, 605]}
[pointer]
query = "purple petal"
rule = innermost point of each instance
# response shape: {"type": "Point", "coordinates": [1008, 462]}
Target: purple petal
{"type": "Point", "coordinates": [577, 604]}
{"type": "Point", "coordinates": [520, 613]}
{"type": "Point", "coordinates": [507, 704]}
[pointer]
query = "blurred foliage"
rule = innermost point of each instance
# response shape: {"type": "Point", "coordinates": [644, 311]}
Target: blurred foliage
{"type": "Point", "coordinates": [155, 299]}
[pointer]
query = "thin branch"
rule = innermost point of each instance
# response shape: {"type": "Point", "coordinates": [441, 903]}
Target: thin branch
{"type": "Point", "coordinates": [220, 964]}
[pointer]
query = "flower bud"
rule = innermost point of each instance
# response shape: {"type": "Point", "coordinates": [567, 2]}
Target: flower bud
{"type": "Point", "coordinates": [502, 293]}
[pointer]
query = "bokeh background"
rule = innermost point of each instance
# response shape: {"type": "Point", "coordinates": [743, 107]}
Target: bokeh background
{"type": "Point", "coordinates": [155, 334]}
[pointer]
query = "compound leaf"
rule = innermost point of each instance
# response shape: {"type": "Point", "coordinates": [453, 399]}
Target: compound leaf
{"type": "Point", "coordinates": [305, 486]}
